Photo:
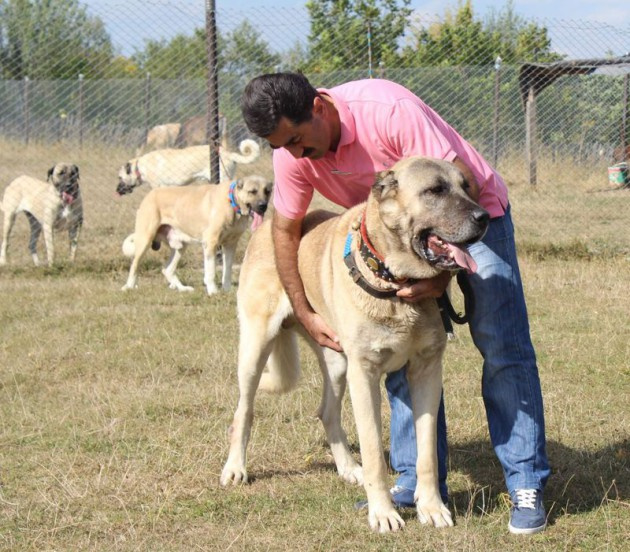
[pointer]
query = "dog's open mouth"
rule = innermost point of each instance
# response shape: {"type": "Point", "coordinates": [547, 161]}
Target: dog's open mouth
{"type": "Point", "coordinates": [444, 254]}
{"type": "Point", "coordinates": [257, 215]}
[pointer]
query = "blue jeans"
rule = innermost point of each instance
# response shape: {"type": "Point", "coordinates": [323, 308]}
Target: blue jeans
{"type": "Point", "coordinates": [510, 384]}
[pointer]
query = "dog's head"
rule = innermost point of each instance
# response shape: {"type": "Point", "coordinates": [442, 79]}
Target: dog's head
{"type": "Point", "coordinates": [128, 177]}
{"type": "Point", "coordinates": [65, 178]}
{"type": "Point", "coordinates": [426, 211]}
{"type": "Point", "coordinates": [252, 194]}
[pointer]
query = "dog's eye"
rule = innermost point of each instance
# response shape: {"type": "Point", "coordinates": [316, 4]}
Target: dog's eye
{"type": "Point", "coordinates": [437, 190]}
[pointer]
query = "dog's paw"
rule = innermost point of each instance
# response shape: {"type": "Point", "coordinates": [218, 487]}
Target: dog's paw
{"type": "Point", "coordinates": [352, 475]}
{"type": "Point", "coordinates": [127, 287]}
{"type": "Point", "coordinates": [211, 290]}
{"type": "Point", "coordinates": [233, 475]}
{"type": "Point", "coordinates": [434, 513]}
{"type": "Point", "coordinates": [385, 519]}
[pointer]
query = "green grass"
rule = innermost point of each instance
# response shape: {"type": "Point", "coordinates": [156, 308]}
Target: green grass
{"type": "Point", "coordinates": [114, 406]}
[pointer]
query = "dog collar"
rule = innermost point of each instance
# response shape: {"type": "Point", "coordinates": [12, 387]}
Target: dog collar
{"type": "Point", "coordinates": [372, 259]}
{"type": "Point", "coordinates": [233, 203]}
{"type": "Point", "coordinates": [138, 175]}
{"type": "Point", "coordinates": [358, 278]}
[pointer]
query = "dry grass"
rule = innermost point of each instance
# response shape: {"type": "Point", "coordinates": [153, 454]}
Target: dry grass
{"type": "Point", "coordinates": [114, 407]}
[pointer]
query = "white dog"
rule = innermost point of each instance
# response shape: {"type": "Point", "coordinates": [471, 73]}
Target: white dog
{"type": "Point", "coordinates": [52, 205]}
{"type": "Point", "coordinates": [179, 167]}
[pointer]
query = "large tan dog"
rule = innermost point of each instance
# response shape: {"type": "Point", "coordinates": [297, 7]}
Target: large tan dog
{"type": "Point", "coordinates": [52, 205]}
{"type": "Point", "coordinates": [179, 167]}
{"type": "Point", "coordinates": [213, 215]}
{"type": "Point", "coordinates": [415, 215]}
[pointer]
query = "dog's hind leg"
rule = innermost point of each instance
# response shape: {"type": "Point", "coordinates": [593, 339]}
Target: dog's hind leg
{"type": "Point", "coordinates": [9, 220]}
{"type": "Point", "coordinates": [171, 267]}
{"type": "Point", "coordinates": [333, 366]}
{"type": "Point", "coordinates": [259, 327]}
{"type": "Point", "coordinates": [141, 243]}
{"type": "Point", "coordinates": [36, 230]}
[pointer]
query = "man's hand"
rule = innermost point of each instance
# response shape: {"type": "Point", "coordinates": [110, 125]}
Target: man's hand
{"type": "Point", "coordinates": [319, 330]}
{"type": "Point", "coordinates": [423, 289]}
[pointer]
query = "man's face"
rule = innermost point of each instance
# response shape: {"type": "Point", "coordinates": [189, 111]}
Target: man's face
{"type": "Point", "coordinates": [311, 139]}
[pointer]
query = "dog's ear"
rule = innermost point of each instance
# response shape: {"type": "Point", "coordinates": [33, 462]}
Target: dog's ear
{"type": "Point", "coordinates": [50, 173]}
{"type": "Point", "coordinates": [128, 168]}
{"type": "Point", "coordinates": [240, 183]}
{"type": "Point", "coordinates": [386, 185]}
{"type": "Point", "coordinates": [74, 171]}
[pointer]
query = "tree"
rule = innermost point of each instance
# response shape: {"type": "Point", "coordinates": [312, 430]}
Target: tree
{"type": "Point", "coordinates": [339, 32]}
{"type": "Point", "coordinates": [51, 39]}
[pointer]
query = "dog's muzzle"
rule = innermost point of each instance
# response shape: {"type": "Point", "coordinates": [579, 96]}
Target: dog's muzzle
{"type": "Point", "coordinates": [451, 254]}
{"type": "Point", "coordinates": [123, 188]}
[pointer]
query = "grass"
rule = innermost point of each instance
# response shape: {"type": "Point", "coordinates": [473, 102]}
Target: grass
{"type": "Point", "coordinates": [114, 406]}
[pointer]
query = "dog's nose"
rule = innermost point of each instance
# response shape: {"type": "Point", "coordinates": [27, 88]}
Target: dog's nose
{"type": "Point", "coordinates": [262, 208]}
{"type": "Point", "coordinates": [481, 217]}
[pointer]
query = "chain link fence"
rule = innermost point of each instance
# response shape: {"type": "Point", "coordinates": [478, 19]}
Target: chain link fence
{"type": "Point", "coordinates": [91, 88]}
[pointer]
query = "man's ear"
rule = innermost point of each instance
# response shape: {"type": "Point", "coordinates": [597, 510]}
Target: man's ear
{"type": "Point", "coordinates": [386, 186]}
{"type": "Point", "coordinates": [318, 105]}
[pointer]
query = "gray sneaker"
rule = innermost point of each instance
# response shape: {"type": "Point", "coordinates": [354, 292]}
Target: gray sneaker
{"type": "Point", "coordinates": [528, 513]}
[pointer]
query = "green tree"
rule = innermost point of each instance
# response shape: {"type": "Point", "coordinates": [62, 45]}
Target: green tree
{"type": "Point", "coordinates": [51, 39]}
{"type": "Point", "coordinates": [340, 29]}
{"type": "Point", "coordinates": [245, 53]}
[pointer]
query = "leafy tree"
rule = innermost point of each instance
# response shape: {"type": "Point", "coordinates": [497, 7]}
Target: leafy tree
{"type": "Point", "coordinates": [51, 39]}
{"type": "Point", "coordinates": [244, 53]}
{"type": "Point", "coordinates": [463, 40]}
{"type": "Point", "coordinates": [338, 37]}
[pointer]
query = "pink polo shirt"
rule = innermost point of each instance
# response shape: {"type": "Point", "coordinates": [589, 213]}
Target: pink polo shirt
{"type": "Point", "coordinates": [381, 122]}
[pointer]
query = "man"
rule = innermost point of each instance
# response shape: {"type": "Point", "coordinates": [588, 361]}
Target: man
{"type": "Point", "coordinates": [334, 141]}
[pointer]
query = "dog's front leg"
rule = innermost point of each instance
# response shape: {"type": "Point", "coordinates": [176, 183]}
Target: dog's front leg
{"type": "Point", "coordinates": [227, 255]}
{"type": "Point", "coordinates": [209, 265]}
{"type": "Point", "coordinates": [425, 387]}
{"type": "Point", "coordinates": [73, 234]}
{"type": "Point", "coordinates": [364, 384]}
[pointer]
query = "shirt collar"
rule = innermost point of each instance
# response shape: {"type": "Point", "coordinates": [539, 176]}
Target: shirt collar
{"type": "Point", "coordinates": [346, 119]}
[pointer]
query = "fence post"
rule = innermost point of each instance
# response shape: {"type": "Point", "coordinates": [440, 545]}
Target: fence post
{"type": "Point", "coordinates": [530, 134]}
{"type": "Point", "coordinates": [80, 110]}
{"type": "Point", "coordinates": [147, 107]}
{"type": "Point", "coordinates": [495, 122]}
{"type": "Point", "coordinates": [624, 118]}
{"type": "Point", "coordinates": [212, 120]}
{"type": "Point", "coordinates": [369, 45]}
{"type": "Point", "coordinates": [27, 114]}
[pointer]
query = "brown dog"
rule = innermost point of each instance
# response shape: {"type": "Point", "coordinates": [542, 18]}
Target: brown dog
{"type": "Point", "coordinates": [418, 219]}
{"type": "Point", "coordinates": [52, 205]}
{"type": "Point", "coordinates": [215, 215]}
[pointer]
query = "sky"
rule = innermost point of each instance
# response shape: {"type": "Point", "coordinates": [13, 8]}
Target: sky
{"type": "Point", "coordinates": [132, 22]}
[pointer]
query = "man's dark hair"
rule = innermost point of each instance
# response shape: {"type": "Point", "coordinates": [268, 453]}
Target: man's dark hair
{"type": "Point", "coordinates": [270, 97]}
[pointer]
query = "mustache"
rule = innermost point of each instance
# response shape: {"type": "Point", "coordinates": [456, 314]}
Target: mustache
{"type": "Point", "coordinates": [307, 152]}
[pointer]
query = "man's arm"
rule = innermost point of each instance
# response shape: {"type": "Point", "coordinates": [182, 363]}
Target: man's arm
{"type": "Point", "coordinates": [286, 238]}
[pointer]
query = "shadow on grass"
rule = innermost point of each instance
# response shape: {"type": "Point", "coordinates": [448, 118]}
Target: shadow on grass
{"type": "Point", "coordinates": [580, 481]}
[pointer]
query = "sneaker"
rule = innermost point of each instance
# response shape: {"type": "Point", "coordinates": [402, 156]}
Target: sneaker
{"type": "Point", "coordinates": [528, 513]}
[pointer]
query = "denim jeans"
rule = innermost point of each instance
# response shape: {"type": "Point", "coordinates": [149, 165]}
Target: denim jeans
{"type": "Point", "coordinates": [510, 384]}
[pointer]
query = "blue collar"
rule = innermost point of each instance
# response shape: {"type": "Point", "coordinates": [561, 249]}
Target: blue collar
{"type": "Point", "coordinates": [233, 203]}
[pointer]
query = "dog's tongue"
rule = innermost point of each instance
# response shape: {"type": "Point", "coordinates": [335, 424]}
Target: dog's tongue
{"type": "Point", "coordinates": [67, 198]}
{"type": "Point", "coordinates": [463, 258]}
{"type": "Point", "coordinates": [257, 220]}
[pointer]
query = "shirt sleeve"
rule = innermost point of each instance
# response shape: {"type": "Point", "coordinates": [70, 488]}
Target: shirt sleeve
{"type": "Point", "coordinates": [292, 194]}
{"type": "Point", "coordinates": [414, 129]}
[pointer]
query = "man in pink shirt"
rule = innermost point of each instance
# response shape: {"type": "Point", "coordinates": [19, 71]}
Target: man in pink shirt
{"type": "Point", "coordinates": [334, 141]}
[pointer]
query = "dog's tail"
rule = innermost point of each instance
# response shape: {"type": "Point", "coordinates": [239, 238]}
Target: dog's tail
{"type": "Point", "coordinates": [250, 151]}
{"type": "Point", "coordinates": [283, 366]}
{"type": "Point", "coordinates": [129, 246]}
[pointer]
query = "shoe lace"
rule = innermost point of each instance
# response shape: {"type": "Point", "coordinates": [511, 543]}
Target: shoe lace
{"type": "Point", "coordinates": [526, 498]}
